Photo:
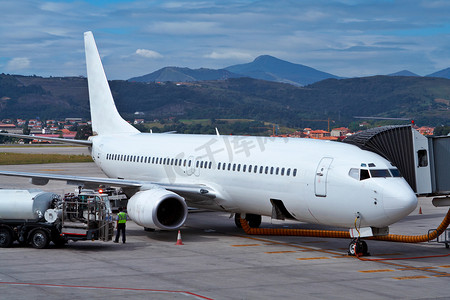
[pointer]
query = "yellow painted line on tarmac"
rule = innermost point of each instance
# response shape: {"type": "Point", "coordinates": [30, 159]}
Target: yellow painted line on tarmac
{"type": "Point", "coordinates": [376, 271]}
{"type": "Point", "coordinates": [447, 266]}
{"type": "Point", "coordinates": [311, 258]}
{"type": "Point", "coordinates": [246, 245]}
{"type": "Point", "coordinates": [411, 277]}
{"type": "Point", "coordinates": [52, 170]}
{"type": "Point", "coordinates": [276, 252]}
{"type": "Point", "coordinates": [389, 254]}
{"type": "Point", "coordinates": [443, 275]}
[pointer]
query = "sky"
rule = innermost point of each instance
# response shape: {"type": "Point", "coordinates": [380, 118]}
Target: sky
{"type": "Point", "coordinates": [348, 38]}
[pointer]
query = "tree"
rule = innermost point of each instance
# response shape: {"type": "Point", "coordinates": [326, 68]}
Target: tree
{"type": "Point", "coordinates": [83, 132]}
{"type": "Point", "coordinates": [26, 130]}
{"type": "Point", "coordinates": [441, 130]}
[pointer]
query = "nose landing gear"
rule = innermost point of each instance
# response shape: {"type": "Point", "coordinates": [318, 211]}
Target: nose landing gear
{"type": "Point", "coordinates": [357, 247]}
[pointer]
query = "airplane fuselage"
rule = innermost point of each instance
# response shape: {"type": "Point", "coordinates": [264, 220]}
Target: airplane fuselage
{"type": "Point", "coordinates": [317, 181]}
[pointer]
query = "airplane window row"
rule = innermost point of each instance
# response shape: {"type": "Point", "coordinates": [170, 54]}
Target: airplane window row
{"type": "Point", "coordinates": [205, 164]}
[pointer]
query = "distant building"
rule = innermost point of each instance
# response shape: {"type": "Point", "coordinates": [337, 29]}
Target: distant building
{"type": "Point", "coordinates": [318, 134]}
{"type": "Point", "coordinates": [424, 130]}
{"type": "Point", "coordinates": [7, 126]}
{"type": "Point", "coordinates": [341, 131]}
{"type": "Point", "coordinates": [73, 120]}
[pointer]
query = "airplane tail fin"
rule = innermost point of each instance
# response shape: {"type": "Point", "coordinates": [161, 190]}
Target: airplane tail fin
{"type": "Point", "coordinates": [104, 115]}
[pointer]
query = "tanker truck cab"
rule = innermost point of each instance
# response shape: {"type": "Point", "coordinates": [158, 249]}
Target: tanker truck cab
{"type": "Point", "coordinates": [38, 218]}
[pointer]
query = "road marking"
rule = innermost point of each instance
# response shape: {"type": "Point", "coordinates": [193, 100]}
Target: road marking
{"type": "Point", "coordinates": [411, 277]}
{"type": "Point", "coordinates": [247, 245]}
{"type": "Point", "coordinates": [376, 271]}
{"type": "Point", "coordinates": [311, 258]}
{"type": "Point", "coordinates": [447, 266]}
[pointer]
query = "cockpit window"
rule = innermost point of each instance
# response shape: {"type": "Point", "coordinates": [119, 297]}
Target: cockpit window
{"type": "Point", "coordinates": [380, 173]}
{"type": "Point", "coordinates": [354, 173]}
{"type": "Point", "coordinates": [395, 173]}
{"type": "Point", "coordinates": [364, 174]}
{"type": "Point", "coordinates": [371, 165]}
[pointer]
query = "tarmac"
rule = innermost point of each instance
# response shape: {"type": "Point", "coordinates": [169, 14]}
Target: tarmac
{"type": "Point", "coordinates": [219, 261]}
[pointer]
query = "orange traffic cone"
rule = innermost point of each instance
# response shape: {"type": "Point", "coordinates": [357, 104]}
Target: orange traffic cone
{"type": "Point", "coordinates": [179, 242]}
{"type": "Point", "coordinates": [420, 210]}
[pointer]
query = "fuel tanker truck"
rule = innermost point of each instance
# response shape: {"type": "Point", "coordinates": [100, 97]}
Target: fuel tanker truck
{"type": "Point", "coordinates": [36, 217]}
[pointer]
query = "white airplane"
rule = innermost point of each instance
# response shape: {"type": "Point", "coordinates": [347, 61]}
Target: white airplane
{"type": "Point", "coordinates": [307, 180]}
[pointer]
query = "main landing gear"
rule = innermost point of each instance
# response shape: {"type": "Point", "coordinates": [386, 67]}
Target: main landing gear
{"type": "Point", "coordinates": [253, 220]}
{"type": "Point", "coordinates": [357, 247]}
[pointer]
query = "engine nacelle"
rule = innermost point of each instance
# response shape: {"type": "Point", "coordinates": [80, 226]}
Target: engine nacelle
{"type": "Point", "coordinates": [157, 208]}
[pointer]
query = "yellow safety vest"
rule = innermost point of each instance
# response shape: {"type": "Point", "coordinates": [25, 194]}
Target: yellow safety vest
{"type": "Point", "coordinates": [121, 217]}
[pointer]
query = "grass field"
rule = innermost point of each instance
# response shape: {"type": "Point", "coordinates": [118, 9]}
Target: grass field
{"type": "Point", "coordinates": [24, 158]}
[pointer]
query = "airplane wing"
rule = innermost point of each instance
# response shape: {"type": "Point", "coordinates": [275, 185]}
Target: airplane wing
{"type": "Point", "coordinates": [189, 191]}
{"type": "Point", "coordinates": [60, 140]}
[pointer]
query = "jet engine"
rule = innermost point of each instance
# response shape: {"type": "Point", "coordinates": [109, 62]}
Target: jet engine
{"type": "Point", "coordinates": [157, 208]}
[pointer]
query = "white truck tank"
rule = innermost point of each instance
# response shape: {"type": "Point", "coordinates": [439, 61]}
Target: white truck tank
{"type": "Point", "coordinates": [24, 204]}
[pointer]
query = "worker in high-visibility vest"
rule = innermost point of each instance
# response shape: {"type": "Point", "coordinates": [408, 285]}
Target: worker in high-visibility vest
{"type": "Point", "coordinates": [121, 224]}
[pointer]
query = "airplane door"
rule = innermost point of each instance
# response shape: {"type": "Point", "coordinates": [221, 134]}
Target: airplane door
{"type": "Point", "coordinates": [320, 185]}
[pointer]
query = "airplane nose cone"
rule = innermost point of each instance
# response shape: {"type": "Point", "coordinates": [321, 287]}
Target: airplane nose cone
{"type": "Point", "coordinates": [399, 202]}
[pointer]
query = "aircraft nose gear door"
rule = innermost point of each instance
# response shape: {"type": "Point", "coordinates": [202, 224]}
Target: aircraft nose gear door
{"type": "Point", "coordinates": [320, 185]}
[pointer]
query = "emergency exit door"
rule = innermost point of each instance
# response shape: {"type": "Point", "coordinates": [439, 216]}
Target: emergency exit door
{"type": "Point", "coordinates": [320, 185]}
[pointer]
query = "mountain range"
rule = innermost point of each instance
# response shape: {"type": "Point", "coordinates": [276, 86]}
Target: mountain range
{"type": "Point", "coordinates": [424, 99]}
{"type": "Point", "coordinates": [264, 67]}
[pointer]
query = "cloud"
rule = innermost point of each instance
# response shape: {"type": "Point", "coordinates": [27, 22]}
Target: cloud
{"type": "Point", "coordinates": [148, 53]}
{"type": "Point", "coordinates": [229, 55]}
{"type": "Point", "coordinates": [18, 63]}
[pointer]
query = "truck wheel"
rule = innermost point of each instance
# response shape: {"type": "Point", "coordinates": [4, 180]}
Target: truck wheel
{"type": "Point", "coordinates": [40, 239]}
{"type": "Point", "coordinates": [5, 238]}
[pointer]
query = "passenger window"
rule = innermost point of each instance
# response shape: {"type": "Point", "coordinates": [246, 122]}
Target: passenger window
{"type": "Point", "coordinates": [184, 163]}
{"type": "Point", "coordinates": [294, 173]}
{"type": "Point", "coordinates": [239, 167]}
{"type": "Point", "coordinates": [354, 173]}
{"type": "Point", "coordinates": [234, 167]}
{"type": "Point", "coordinates": [224, 166]}
{"type": "Point", "coordinates": [364, 174]}
{"type": "Point", "coordinates": [267, 170]}
{"type": "Point", "coordinates": [282, 171]}
{"type": "Point", "coordinates": [229, 166]}
{"type": "Point", "coordinates": [218, 166]}
{"type": "Point", "coordinates": [209, 165]}
{"type": "Point", "coordinates": [244, 167]}
{"type": "Point", "coordinates": [288, 172]}
{"type": "Point", "coordinates": [277, 171]}
{"type": "Point", "coordinates": [271, 170]}
{"type": "Point", "coordinates": [190, 163]}
{"type": "Point", "coordinates": [261, 169]}
{"type": "Point", "coordinates": [422, 158]}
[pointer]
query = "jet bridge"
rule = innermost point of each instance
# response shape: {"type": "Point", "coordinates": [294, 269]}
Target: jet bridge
{"type": "Point", "coordinates": [423, 161]}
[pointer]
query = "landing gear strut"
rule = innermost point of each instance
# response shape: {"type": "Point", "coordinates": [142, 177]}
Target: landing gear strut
{"type": "Point", "coordinates": [253, 220]}
{"type": "Point", "coordinates": [358, 248]}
